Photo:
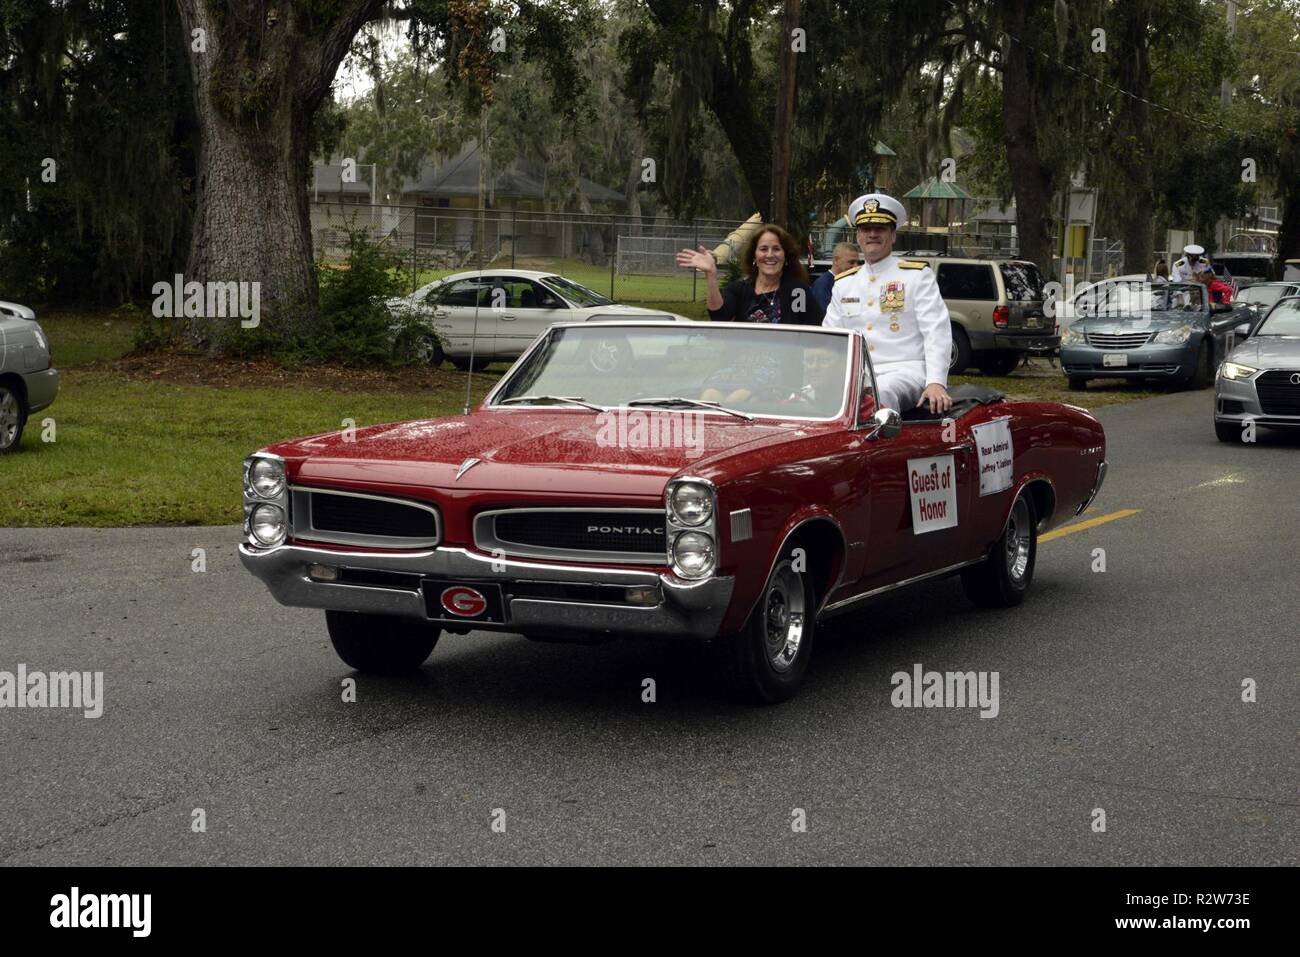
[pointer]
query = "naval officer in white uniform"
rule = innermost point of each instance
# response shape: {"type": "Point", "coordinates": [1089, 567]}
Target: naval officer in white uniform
{"type": "Point", "coordinates": [895, 304]}
{"type": "Point", "coordinates": [1185, 269]}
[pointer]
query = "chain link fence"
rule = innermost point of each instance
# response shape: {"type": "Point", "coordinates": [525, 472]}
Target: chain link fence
{"type": "Point", "coordinates": [627, 258]}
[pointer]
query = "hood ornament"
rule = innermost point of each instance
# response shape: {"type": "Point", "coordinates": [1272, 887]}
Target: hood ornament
{"type": "Point", "coordinates": [466, 466]}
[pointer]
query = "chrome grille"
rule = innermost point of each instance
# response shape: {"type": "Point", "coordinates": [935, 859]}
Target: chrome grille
{"type": "Point", "coordinates": [1277, 396]}
{"type": "Point", "coordinates": [1118, 340]}
{"type": "Point", "coordinates": [595, 534]}
{"type": "Point", "coordinates": [353, 518]}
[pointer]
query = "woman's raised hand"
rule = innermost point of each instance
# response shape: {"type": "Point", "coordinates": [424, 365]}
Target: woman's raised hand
{"type": "Point", "coordinates": [700, 259]}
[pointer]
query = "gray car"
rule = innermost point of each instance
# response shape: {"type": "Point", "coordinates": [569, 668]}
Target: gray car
{"type": "Point", "coordinates": [28, 380]}
{"type": "Point", "coordinates": [1260, 379]}
{"type": "Point", "coordinates": [1141, 330]}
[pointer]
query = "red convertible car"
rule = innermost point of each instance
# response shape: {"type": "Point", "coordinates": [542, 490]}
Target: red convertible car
{"type": "Point", "coordinates": [725, 483]}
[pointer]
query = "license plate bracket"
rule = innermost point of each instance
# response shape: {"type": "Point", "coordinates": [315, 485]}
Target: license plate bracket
{"type": "Point", "coordinates": [1113, 360]}
{"type": "Point", "coordinates": [463, 601]}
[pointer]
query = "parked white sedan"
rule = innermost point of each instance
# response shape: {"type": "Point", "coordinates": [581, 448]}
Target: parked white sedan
{"type": "Point", "coordinates": [28, 380]}
{"type": "Point", "coordinates": [497, 313]}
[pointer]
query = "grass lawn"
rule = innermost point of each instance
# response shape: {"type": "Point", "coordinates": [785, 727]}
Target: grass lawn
{"type": "Point", "coordinates": [143, 441]}
{"type": "Point", "coordinates": [146, 453]}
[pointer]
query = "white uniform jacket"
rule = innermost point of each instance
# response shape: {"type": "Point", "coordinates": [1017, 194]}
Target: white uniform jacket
{"type": "Point", "coordinates": [895, 304]}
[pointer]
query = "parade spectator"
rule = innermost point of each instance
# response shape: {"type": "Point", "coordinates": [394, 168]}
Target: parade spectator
{"type": "Point", "coordinates": [843, 257]}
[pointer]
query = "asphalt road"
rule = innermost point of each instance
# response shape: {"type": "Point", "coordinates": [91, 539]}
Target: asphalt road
{"type": "Point", "coordinates": [1119, 690]}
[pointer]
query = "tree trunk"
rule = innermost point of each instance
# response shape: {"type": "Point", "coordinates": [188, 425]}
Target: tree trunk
{"type": "Point", "coordinates": [783, 122]}
{"type": "Point", "coordinates": [1031, 179]}
{"type": "Point", "coordinates": [1288, 235]}
{"type": "Point", "coordinates": [1134, 146]}
{"type": "Point", "coordinates": [263, 71]}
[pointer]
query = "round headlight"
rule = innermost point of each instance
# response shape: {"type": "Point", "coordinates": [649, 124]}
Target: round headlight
{"type": "Point", "coordinates": [693, 553]}
{"type": "Point", "coordinates": [692, 504]}
{"type": "Point", "coordinates": [266, 476]}
{"type": "Point", "coordinates": [267, 525]}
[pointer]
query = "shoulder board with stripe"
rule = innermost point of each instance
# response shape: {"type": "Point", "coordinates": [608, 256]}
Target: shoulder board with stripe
{"type": "Point", "coordinates": [912, 264]}
{"type": "Point", "coordinates": [847, 272]}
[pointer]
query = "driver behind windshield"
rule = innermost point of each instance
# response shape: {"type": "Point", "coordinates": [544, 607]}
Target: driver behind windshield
{"type": "Point", "coordinates": [823, 378]}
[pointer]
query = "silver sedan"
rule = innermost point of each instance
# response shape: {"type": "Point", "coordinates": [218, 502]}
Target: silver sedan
{"type": "Point", "coordinates": [1259, 382]}
{"type": "Point", "coordinates": [28, 380]}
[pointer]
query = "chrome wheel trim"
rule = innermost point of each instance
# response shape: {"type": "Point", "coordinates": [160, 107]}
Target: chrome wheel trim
{"type": "Point", "coordinates": [8, 418]}
{"type": "Point", "coordinates": [783, 617]}
{"type": "Point", "coordinates": [604, 356]}
{"type": "Point", "coordinates": [1020, 536]}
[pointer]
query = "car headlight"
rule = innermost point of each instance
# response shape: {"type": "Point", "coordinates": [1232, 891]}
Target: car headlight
{"type": "Point", "coordinates": [266, 477]}
{"type": "Point", "coordinates": [267, 525]}
{"type": "Point", "coordinates": [691, 503]}
{"type": "Point", "coordinates": [1174, 336]}
{"type": "Point", "coordinates": [694, 554]}
{"type": "Point", "coordinates": [1235, 370]}
{"type": "Point", "coordinates": [1072, 337]}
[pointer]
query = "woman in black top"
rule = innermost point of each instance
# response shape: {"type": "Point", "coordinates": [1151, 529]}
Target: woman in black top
{"type": "Point", "coordinates": [775, 290]}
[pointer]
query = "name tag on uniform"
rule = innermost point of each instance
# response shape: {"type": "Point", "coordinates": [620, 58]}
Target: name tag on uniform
{"type": "Point", "coordinates": [847, 299]}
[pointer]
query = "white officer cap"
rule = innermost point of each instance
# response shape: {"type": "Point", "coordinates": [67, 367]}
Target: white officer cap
{"type": "Point", "coordinates": [876, 209]}
{"type": "Point", "coordinates": [1192, 249]}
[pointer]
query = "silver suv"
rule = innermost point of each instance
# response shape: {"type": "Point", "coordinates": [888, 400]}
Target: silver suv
{"type": "Point", "coordinates": [28, 380]}
{"type": "Point", "coordinates": [996, 306]}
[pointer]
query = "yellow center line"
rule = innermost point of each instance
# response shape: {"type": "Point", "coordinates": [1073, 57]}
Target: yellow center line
{"type": "Point", "coordinates": [1088, 523]}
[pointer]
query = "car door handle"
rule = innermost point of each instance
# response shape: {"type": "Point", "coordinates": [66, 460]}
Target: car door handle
{"type": "Point", "coordinates": [440, 313]}
{"type": "Point", "coordinates": [508, 318]}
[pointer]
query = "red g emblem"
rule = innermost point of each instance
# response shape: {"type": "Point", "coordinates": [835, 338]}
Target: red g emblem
{"type": "Point", "coordinates": [463, 601]}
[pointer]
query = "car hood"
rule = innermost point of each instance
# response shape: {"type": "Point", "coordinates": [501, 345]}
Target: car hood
{"type": "Point", "coordinates": [554, 451]}
{"type": "Point", "coordinates": [1268, 352]}
{"type": "Point", "coordinates": [1155, 322]}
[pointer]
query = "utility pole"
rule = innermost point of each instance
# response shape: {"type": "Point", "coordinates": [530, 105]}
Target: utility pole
{"type": "Point", "coordinates": [1225, 101]}
{"type": "Point", "coordinates": [783, 127]}
{"type": "Point", "coordinates": [1225, 90]}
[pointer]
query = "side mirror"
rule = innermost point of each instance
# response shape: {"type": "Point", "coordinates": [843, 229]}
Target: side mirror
{"type": "Point", "coordinates": [1242, 330]}
{"type": "Point", "coordinates": [888, 423]}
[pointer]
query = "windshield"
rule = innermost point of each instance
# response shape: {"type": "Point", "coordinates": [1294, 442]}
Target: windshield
{"type": "Point", "coordinates": [782, 371]}
{"type": "Point", "coordinates": [1139, 298]}
{"type": "Point", "coordinates": [1261, 295]}
{"type": "Point", "coordinates": [1282, 321]}
{"type": "Point", "coordinates": [576, 294]}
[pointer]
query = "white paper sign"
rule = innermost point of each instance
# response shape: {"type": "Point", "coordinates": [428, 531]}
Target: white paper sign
{"type": "Point", "coordinates": [995, 455]}
{"type": "Point", "coordinates": [932, 484]}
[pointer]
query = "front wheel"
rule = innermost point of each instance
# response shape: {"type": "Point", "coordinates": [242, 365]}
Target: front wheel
{"type": "Point", "coordinates": [380, 644]}
{"type": "Point", "coordinates": [1003, 578]}
{"type": "Point", "coordinates": [1204, 372]}
{"type": "Point", "coordinates": [1076, 383]}
{"type": "Point", "coordinates": [462, 363]}
{"type": "Point", "coordinates": [1227, 431]}
{"type": "Point", "coordinates": [13, 416]}
{"type": "Point", "coordinates": [766, 661]}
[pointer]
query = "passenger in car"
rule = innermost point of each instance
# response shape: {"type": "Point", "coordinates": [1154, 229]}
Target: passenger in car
{"type": "Point", "coordinates": [775, 286]}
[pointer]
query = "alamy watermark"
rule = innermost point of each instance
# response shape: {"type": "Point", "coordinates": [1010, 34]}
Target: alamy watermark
{"type": "Point", "coordinates": [946, 689]}
{"type": "Point", "coordinates": [57, 689]}
{"type": "Point", "coordinates": [638, 429]}
{"type": "Point", "coordinates": [208, 300]}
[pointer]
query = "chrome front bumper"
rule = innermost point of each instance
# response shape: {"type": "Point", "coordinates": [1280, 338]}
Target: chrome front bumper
{"type": "Point", "coordinates": [686, 609]}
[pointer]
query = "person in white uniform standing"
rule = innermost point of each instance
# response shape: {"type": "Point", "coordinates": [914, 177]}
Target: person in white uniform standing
{"type": "Point", "coordinates": [1185, 269]}
{"type": "Point", "coordinates": [895, 304]}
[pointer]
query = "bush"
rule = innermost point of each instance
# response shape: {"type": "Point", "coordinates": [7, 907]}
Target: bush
{"type": "Point", "coordinates": [352, 323]}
